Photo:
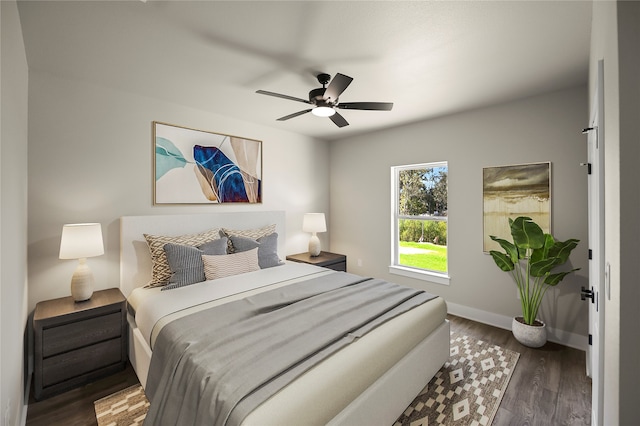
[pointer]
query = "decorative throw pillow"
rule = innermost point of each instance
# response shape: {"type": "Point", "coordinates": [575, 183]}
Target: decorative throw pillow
{"type": "Point", "coordinates": [267, 248]}
{"type": "Point", "coordinates": [160, 272]}
{"type": "Point", "coordinates": [186, 264]}
{"type": "Point", "coordinates": [231, 264]}
{"type": "Point", "coordinates": [247, 233]}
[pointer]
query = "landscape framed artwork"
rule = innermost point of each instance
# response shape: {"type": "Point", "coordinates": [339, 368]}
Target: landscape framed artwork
{"type": "Point", "coordinates": [201, 167]}
{"type": "Point", "coordinates": [512, 191]}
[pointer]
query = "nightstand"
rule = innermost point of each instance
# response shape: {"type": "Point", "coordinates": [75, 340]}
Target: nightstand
{"type": "Point", "coordinates": [78, 342]}
{"type": "Point", "coordinates": [329, 260]}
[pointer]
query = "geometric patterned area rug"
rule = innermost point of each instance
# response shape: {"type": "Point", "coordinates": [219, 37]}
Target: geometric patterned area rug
{"type": "Point", "coordinates": [127, 407]}
{"type": "Point", "coordinates": [467, 390]}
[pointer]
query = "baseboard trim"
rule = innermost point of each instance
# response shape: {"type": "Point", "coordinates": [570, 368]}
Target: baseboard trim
{"type": "Point", "coordinates": [572, 340]}
{"type": "Point", "coordinates": [25, 407]}
{"type": "Point", "coordinates": [23, 416]}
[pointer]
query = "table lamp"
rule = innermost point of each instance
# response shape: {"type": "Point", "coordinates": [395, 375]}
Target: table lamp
{"type": "Point", "coordinates": [79, 241]}
{"type": "Point", "coordinates": [314, 222]}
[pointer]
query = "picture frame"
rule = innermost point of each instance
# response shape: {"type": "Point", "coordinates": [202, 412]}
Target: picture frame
{"type": "Point", "coordinates": [201, 167]}
{"type": "Point", "coordinates": [512, 191]}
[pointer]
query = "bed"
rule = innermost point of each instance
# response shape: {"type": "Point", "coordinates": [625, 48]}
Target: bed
{"type": "Point", "coordinates": [370, 381]}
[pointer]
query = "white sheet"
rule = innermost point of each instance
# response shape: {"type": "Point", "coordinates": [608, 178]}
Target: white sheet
{"type": "Point", "coordinates": [154, 308]}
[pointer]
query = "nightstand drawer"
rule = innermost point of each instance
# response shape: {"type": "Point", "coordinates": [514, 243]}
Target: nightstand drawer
{"type": "Point", "coordinates": [67, 337]}
{"type": "Point", "coordinates": [340, 266]}
{"type": "Point", "coordinates": [76, 363]}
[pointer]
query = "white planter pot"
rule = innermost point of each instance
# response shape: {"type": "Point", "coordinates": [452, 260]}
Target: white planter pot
{"type": "Point", "coordinates": [533, 336]}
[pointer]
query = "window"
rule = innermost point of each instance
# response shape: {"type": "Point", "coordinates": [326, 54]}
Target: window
{"type": "Point", "coordinates": [419, 221]}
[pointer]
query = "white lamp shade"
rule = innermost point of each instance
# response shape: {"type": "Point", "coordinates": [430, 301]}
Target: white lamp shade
{"type": "Point", "coordinates": [314, 222]}
{"type": "Point", "coordinates": [80, 240]}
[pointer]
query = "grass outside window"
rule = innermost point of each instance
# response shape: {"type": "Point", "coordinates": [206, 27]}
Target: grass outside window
{"type": "Point", "coordinates": [427, 256]}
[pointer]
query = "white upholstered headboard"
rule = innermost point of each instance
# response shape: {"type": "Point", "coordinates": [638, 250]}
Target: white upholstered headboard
{"type": "Point", "coordinates": [135, 260]}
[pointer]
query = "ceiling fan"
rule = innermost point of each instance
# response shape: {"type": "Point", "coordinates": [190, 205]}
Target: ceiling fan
{"type": "Point", "coordinates": [325, 100]}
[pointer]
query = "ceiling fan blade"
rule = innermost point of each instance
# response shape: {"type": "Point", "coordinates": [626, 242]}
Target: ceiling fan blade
{"type": "Point", "coordinates": [339, 120]}
{"type": "Point", "coordinates": [336, 86]}
{"type": "Point", "coordinates": [279, 95]}
{"type": "Point", "coordinates": [295, 114]}
{"type": "Point", "coordinates": [369, 106]}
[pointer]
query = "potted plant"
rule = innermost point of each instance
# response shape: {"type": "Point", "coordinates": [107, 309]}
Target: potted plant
{"type": "Point", "coordinates": [531, 259]}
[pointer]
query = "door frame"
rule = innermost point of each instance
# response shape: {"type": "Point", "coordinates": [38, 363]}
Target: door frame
{"type": "Point", "coordinates": [595, 351]}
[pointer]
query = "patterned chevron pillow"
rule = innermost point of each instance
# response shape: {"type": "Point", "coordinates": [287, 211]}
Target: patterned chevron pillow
{"type": "Point", "coordinates": [161, 272]}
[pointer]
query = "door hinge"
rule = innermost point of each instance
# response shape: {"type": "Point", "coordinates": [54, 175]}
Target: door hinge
{"type": "Point", "coordinates": [588, 167]}
{"type": "Point", "coordinates": [590, 340]}
{"type": "Point", "coordinates": [587, 294]}
{"type": "Point", "coordinates": [590, 254]}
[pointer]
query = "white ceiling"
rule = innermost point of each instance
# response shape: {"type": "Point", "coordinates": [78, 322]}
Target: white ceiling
{"type": "Point", "coordinates": [428, 57]}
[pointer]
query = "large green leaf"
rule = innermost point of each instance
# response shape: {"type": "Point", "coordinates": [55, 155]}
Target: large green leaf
{"type": "Point", "coordinates": [526, 233]}
{"type": "Point", "coordinates": [554, 279]}
{"type": "Point", "coordinates": [502, 260]}
{"type": "Point", "coordinates": [542, 267]}
{"type": "Point", "coordinates": [508, 247]}
{"type": "Point", "coordinates": [562, 249]}
{"type": "Point", "coordinates": [543, 252]}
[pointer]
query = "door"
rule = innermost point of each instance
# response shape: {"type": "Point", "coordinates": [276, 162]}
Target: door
{"type": "Point", "coordinates": [595, 351]}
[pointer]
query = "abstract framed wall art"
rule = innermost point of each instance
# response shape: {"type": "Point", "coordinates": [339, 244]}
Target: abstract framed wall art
{"type": "Point", "coordinates": [199, 167]}
{"type": "Point", "coordinates": [512, 191]}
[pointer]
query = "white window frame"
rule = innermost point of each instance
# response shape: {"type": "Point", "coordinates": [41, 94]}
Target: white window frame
{"type": "Point", "coordinates": [395, 267]}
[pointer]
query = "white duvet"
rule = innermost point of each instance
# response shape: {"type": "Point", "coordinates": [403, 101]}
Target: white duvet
{"type": "Point", "coordinates": [154, 308]}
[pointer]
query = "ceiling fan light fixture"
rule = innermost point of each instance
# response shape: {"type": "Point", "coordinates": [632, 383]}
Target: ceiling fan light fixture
{"type": "Point", "coordinates": [324, 100]}
{"type": "Point", "coordinates": [323, 111]}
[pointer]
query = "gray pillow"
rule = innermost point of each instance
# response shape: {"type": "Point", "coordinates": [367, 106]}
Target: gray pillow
{"type": "Point", "coordinates": [267, 248]}
{"type": "Point", "coordinates": [186, 263]}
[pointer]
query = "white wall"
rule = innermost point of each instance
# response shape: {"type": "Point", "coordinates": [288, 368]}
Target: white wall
{"type": "Point", "coordinates": [13, 216]}
{"type": "Point", "coordinates": [90, 160]}
{"type": "Point", "coordinates": [537, 129]}
{"type": "Point", "coordinates": [615, 38]}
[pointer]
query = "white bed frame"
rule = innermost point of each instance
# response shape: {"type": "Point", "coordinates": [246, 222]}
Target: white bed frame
{"type": "Point", "coordinates": [381, 403]}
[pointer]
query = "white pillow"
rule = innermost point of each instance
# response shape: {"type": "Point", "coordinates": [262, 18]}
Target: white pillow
{"type": "Point", "coordinates": [220, 266]}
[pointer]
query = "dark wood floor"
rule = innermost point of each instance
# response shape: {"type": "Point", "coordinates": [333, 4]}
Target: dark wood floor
{"type": "Point", "coordinates": [548, 387]}
{"type": "Point", "coordinates": [75, 407]}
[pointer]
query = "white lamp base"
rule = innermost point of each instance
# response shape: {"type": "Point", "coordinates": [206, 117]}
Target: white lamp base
{"type": "Point", "coordinates": [314, 245]}
{"type": "Point", "coordinates": [82, 282]}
